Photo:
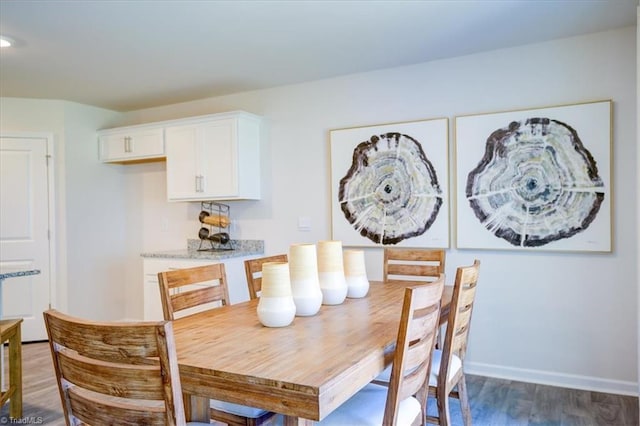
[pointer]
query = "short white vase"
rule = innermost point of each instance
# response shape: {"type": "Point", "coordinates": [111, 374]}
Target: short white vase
{"type": "Point", "coordinates": [305, 285]}
{"type": "Point", "coordinates": [331, 272]}
{"type": "Point", "coordinates": [276, 307]}
{"type": "Point", "coordinates": [355, 273]}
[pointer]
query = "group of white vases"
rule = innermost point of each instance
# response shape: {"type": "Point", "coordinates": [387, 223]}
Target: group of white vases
{"type": "Point", "coordinates": [309, 280]}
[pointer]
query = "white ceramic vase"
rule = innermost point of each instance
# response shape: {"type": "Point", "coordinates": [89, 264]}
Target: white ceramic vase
{"type": "Point", "coordinates": [276, 307]}
{"type": "Point", "coordinates": [355, 273]}
{"type": "Point", "coordinates": [331, 272]}
{"type": "Point", "coordinates": [305, 285]}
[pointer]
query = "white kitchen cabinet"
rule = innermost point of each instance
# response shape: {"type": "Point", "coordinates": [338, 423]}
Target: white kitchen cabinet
{"type": "Point", "coordinates": [215, 157]}
{"type": "Point", "coordinates": [131, 144]}
{"type": "Point", "coordinates": [234, 269]}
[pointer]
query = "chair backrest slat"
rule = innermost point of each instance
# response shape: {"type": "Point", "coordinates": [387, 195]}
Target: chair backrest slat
{"type": "Point", "coordinates": [253, 271]}
{"type": "Point", "coordinates": [115, 412]}
{"type": "Point", "coordinates": [143, 381]}
{"type": "Point", "coordinates": [200, 296]}
{"type": "Point", "coordinates": [401, 265]}
{"type": "Point", "coordinates": [416, 341]}
{"type": "Point", "coordinates": [182, 289]}
{"type": "Point", "coordinates": [115, 373]}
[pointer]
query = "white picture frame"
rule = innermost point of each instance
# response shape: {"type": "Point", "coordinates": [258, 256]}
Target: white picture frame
{"type": "Point", "coordinates": [528, 184]}
{"type": "Point", "coordinates": [420, 170]}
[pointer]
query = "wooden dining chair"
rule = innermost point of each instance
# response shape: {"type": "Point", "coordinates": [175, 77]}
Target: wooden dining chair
{"type": "Point", "coordinates": [115, 373]}
{"type": "Point", "coordinates": [419, 264]}
{"type": "Point", "coordinates": [253, 269]}
{"type": "Point", "coordinates": [447, 375]}
{"type": "Point", "coordinates": [182, 291]}
{"type": "Point", "coordinates": [404, 401]}
{"type": "Point", "coordinates": [401, 265]}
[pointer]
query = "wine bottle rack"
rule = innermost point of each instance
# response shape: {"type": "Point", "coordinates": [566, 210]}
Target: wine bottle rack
{"type": "Point", "coordinates": [215, 220]}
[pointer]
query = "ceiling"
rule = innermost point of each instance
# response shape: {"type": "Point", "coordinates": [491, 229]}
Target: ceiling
{"type": "Point", "coordinates": [128, 55]}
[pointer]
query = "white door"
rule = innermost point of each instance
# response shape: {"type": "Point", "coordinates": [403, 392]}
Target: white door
{"type": "Point", "coordinates": [24, 231]}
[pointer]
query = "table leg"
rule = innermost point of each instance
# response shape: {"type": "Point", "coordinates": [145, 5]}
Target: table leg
{"type": "Point", "coordinates": [297, 421]}
{"type": "Point", "coordinates": [199, 409]}
{"type": "Point", "coordinates": [15, 374]}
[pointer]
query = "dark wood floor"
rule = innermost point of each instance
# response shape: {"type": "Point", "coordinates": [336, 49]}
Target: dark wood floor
{"type": "Point", "coordinates": [494, 402]}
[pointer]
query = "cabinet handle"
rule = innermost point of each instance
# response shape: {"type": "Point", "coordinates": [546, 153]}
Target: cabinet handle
{"type": "Point", "coordinates": [127, 144]}
{"type": "Point", "coordinates": [199, 183]}
{"type": "Point", "coordinates": [202, 184]}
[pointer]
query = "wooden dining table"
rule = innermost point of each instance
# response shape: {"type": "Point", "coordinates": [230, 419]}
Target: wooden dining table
{"type": "Point", "coordinates": [303, 371]}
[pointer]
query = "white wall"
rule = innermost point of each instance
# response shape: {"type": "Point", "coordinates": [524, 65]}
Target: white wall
{"type": "Point", "coordinates": [99, 242]}
{"type": "Point", "coordinates": [563, 318]}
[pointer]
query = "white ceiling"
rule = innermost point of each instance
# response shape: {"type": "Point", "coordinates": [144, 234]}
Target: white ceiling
{"type": "Point", "coordinates": [127, 55]}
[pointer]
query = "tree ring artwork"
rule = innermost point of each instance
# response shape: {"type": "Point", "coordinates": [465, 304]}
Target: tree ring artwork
{"type": "Point", "coordinates": [538, 183]}
{"type": "Point", "coordinates": [390, 191]}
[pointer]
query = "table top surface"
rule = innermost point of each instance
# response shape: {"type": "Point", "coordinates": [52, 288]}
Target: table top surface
{"type": "Point", "coordinates": [306, 369]}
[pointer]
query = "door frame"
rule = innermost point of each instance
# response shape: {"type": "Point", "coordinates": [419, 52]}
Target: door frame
{"type": "Point", "coordinates": [48, 137]}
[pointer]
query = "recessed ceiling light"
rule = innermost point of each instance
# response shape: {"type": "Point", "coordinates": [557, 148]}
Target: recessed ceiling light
{"type": "Point", "coordinates": [6, 41]}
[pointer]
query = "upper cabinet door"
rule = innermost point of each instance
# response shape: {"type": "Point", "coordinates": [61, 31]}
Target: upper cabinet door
{"type": "Point", "coordinates": [214, 159]}
{"type": "Point", "coordinates": [131, 144]}
{"type": "Point", "coordinates": [219, 158]}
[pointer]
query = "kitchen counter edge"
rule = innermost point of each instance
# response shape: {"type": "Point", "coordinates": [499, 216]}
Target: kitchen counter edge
{"type": "Point", "coordinates": [241, 248]}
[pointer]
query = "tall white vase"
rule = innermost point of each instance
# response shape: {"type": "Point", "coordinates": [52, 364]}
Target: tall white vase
{"type": "Point", "coordinates": [331, 272]}
{"type": "Point", "coordinates": [355, 273]}
{"type": "Point", "coordinates": [305, 285]}
{"type": "Point", "coordinates": [276, 307]}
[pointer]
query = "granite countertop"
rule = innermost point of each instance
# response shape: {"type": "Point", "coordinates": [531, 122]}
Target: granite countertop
{"type": "Point", "coordinates": [19, 274]}
{"type": "Point", "coordinates": [240, 248]}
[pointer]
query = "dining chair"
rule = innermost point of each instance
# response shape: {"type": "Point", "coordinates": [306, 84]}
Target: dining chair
{"type": "Point", "coordinates": [401, 265]}
{"type": "Point", "coordinates": [447, 364]}
{"type": "Point", "coordinates": [404, 401]}
{"type": "Point", "coordinates": [419, 264]}
{"type": "Point", "coordinates": [112, 373]}
{"type": "Point", "coordinates": [253, 269]}
{"type": "Point", "coordinates": [182, 291]}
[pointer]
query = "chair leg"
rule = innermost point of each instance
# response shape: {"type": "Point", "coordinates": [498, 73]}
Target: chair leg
{"type": "Point", "coordinates": [441, 330]}
{"type": "Point", "coordinates": [443, 407]}
{"type": "Point", "coordinates": [464, 401]}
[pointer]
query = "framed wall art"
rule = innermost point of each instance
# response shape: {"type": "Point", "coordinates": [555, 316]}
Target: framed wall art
{"type": "Point", "coordinates": [389, 184]}
{"type": "Point", "coordinates": [537, 179]}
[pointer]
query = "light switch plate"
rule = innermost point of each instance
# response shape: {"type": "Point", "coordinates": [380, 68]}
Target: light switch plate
{"type": "Point", "coordinates": [304, 223]}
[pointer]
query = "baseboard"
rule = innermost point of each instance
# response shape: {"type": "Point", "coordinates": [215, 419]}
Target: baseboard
{"type": "Point", "coordinates": [571, 381]}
